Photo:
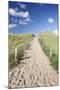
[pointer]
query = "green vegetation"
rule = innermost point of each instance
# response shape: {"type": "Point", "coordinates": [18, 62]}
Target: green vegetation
{"type": "Point", "coordinates": [22, 43]}
{"type": "Point", "coordinates": [50, 47]}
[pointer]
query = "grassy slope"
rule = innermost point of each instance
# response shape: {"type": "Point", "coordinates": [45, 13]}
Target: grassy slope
{"type": "Point", "coordinates": [22, 42]}
{"type": "Point", "coordinates": [49, 43]}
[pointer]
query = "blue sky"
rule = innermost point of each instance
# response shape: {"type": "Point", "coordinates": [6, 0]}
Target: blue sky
{"type": "Point", "coordinates": [32, 17]}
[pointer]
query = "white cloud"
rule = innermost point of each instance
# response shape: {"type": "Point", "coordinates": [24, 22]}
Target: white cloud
{"type": "Point", "coordinates": [55, 32]}
{"type": "Point", "coordinates": [22, 22]}
{"type": "Point", "coordinates": [23, 6]}
{"type": "Point", "coordinates": [12, 25]}
{"type": "Point", "coordinates": [12, 12]}
{"type": "Point", "coordinates": [22, 14]}
{"type": "Point", "coordinates": [50, 20]}
{"type": "Point", "coordinates": [27, 19]}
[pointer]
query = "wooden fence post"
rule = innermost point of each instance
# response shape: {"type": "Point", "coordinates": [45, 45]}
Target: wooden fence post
{"type": "Point", "coordinates": [15, 54]}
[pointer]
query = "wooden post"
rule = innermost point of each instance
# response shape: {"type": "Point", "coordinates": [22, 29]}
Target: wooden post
{"type": "Point", "coordinates": [15, 54]}
{"type": "Point", "coordinates": [50, 53]}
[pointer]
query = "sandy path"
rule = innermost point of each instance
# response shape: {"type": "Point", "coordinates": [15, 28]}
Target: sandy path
{"type": "Point", "coordinates": [34, 70]}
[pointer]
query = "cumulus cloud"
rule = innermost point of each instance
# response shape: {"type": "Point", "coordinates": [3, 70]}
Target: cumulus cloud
{"type": "Point", "coordinates": [22, 14]}
{"type": "Point", "coordinates": [27, 19]}
{"type": "Point", "coordinates": [55, 32]}
{"type": "Point", "coordinates": [12, 25]}
{"type": "Point", "coordinates": [12, 12]}
{"type": "Point", "coordinates": [22, 22]}
{"type": "Point", "coordinates": [50, 20]}
{"type": "Point", "coordinates": [23, 6]}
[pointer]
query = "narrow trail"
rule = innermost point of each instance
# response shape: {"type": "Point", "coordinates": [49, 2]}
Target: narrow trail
{"type": "Point", "coordinates": [34, 70]}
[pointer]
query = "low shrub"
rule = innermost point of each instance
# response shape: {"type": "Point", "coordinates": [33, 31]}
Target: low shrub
{"type": "Point", "coordinates": [54, 60]}
{"type": "Point", "coordinates": [45, 48]}
{"type": "Point", "coordinates": [12, 61]}
{"type": "Point", "coordinates": [46, 51]}
{"type": "Point", "coordinates": [20, 52]}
